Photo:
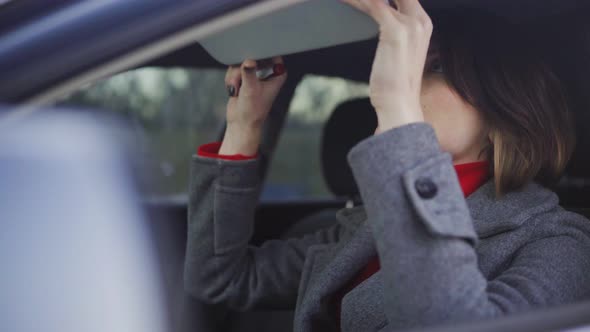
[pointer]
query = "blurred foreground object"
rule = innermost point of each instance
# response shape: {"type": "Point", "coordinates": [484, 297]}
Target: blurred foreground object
{"type": "Point", "coordinates": [74, 249]}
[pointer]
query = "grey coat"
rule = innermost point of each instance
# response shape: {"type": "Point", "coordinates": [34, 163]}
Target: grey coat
{"type": "Point", "coordinates": [443, 258]}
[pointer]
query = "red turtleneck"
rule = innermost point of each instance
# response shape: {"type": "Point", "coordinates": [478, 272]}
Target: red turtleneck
{"type": "Point", "coordinates": [211, 150]}
{"type": "Point", "coordinates": [471, 176]}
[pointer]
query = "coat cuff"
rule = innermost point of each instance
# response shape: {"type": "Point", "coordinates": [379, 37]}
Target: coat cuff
{"type": "Point", "coordinates": [405, 165]}
{"type": "Point", "coordinates": [211, 150]}
{"type": "Point", "coordinates": [230, 173]}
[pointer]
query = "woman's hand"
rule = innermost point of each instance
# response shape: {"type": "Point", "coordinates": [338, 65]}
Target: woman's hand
{"type": "Point", "coordinates": [249, 104]}
{"type": "Point", "coordinates": [396, 76]}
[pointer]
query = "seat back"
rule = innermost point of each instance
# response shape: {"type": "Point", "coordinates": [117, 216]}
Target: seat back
{"type": "Point", "coordinates": [351, 122]}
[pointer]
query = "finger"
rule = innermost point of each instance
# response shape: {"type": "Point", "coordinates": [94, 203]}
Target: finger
{"type": "Point", "coordinates": [233, 79]}
{"type": "Point", "coordinates": [278, 59]}
{"type": "Point", "coordinates": [379, 10]}
{"type": "Point", "coordinates": [231, 73]}
{"type": "Point", "coordinates": [393, 4]}
{"type": "Point", "coordinates": [248, 63]}
{"type": "Point", "coordinates": [411, 8]}
{"type": "Point", "coordinates": [414, 10]}
{"type": "Point", "coordinates": [248, 74]}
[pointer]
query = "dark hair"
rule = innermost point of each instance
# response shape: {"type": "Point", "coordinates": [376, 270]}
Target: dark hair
{"type": "Point", "coordinates": [499, 69]}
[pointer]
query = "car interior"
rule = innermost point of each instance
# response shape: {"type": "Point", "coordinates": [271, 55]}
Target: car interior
{"type": "Point", "coordinates": [567, 37]}
{"type": "Point", "coordinates": [343, 130]}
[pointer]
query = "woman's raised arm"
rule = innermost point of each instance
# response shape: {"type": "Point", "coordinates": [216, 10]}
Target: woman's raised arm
{"type": "Point", "coordinates": [220, 265]}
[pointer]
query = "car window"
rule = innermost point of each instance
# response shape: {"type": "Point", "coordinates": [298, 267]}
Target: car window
{"type": "Point", "coordinates": [174, 110]}
{"type": "Point", "coordinates": [295, 172]}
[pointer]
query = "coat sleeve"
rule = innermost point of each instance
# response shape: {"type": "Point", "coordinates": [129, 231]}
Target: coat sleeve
{"type": "Point", "coordinates": [220, 265]}
{"type": "Point", "coordinates": [426, 240]}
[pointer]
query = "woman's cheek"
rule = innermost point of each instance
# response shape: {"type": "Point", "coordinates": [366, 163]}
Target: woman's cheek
{"type": "Point", "coordinates": [436, 106]}
{"type": "Point", "coordinates": [448, 114]}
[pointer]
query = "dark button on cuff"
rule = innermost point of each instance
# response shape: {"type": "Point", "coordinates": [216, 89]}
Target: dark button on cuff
{"type": "Point", "coordinates": [425, 188]}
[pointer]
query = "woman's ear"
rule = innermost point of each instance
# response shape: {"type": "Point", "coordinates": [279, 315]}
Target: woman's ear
{"type": "Point", "coordinates": [488, 146]}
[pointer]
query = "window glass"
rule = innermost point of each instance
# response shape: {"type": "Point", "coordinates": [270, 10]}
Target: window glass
{"type": "Point", "coordinates": [295, 172]}
{"type": "Point", "coordinates": [172, 111]}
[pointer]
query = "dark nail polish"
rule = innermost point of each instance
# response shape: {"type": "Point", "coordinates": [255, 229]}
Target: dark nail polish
{"type": "Point", "coordinates": [231, 90]}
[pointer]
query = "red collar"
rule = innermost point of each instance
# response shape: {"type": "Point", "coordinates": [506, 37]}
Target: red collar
{"type": "Point", "coordinates": [472, 176]}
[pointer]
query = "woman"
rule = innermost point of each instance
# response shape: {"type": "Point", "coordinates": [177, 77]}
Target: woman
{"type": "Point", "coordinates": [457, 224]}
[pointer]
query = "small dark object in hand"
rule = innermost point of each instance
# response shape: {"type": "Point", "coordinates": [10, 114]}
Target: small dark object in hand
{"type": "Point", "coordinates": [231, 90]}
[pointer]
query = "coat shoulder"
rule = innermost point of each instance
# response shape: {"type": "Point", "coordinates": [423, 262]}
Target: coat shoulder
{"type": "Point", "coordinates": [559, 221]}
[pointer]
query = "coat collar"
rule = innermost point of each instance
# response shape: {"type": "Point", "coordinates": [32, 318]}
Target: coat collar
{"type": "Point", "coordinates": [493, 215]}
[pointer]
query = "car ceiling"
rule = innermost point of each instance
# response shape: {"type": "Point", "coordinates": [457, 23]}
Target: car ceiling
{"type": "Point", "coordinates": [515, 10]}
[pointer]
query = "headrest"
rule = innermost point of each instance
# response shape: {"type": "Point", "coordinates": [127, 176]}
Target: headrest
{"type": "Point", "coordinates": [350, 123]}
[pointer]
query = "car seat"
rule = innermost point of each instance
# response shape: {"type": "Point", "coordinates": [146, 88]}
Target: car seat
{"type": "Point", "coordinates": [351, 122]}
